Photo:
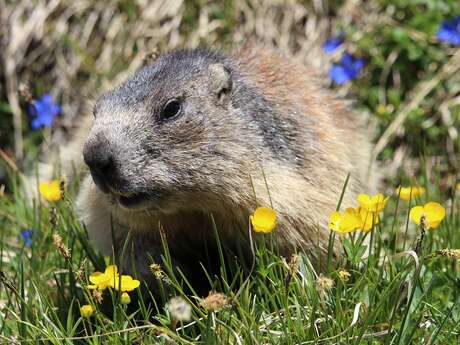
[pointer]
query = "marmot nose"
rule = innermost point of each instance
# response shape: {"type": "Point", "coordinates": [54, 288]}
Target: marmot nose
{"type": "Point", "coordinates": [98, 156]}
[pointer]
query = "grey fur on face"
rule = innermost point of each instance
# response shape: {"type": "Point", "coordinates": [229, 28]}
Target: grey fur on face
{"type": "Point", "coordinates": [140, 155]}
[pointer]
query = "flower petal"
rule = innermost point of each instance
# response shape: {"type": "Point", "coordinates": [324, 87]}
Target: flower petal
{"type": "Point", "coordinates": [434, 212]}
{"type": "Point", "coordinates": [50, 191]}
{"type": "Point", "coordinates": [363, 199]}
{"type": "Point", "coordinates": [416, 214]}
{"type": "Point", "coordinates": [126, 283]}
{"type": "Point", "coordinates": [332, 44]}
{"type": "Point", "coordinates": [43, 111]}
{"type": "Point", "coordinates": [368, 219]}
{"type": "Point", "coordinates": [344, 223]}
{"type": "Point", "coordinates": [347, 60]}
{"type": "Point", "coordinates": [408, 193]}
{"type": "Point", "coordinates": [101, 280]}
{"type": "Point", "coordinates": [111, 270]}
{"type": "Point", "coordinates": [263, 219]}
{"type": "Point", "coordinates": [334, 221]}
{"type": "Point", "coordinates": [350, 222]}
{"type": "Point", "coordinates": [375, 203]}
{"type": "Point", "coordinates": [434, 225]}
{"type": "Point", "coordinates": [339, 74]}
{"type": "Point", "coordinates": [450, 31]}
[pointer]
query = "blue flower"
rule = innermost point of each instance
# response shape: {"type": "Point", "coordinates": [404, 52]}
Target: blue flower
{"type": "Point", "coordinates": [43, 111]}
{"type": "Point", "coordinates": [347, 70]}
{"type": "Point", "coordinates": [450, 31]}
{"type": "Point", "coordinates": [332, 44]}
{"type": "Point", "coordinates": [27, 237]}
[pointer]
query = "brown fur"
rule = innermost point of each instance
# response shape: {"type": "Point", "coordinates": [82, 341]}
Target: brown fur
{"type": "Point", "coordinates": [303, 193]}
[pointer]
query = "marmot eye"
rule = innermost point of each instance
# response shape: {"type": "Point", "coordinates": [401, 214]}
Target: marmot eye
{"type": "Point", "coordinates": [171, 109]}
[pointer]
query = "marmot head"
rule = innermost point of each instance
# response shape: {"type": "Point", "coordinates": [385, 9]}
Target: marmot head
{"type": "Point", "coordinates": [188, 127]}
{"type": "Point", "coordinates": [165, 133]}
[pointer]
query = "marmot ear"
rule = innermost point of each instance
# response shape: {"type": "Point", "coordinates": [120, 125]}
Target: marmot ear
{"type": "Point", "coordinates": [150, 57]}
{"type": "Point", "coordinates": [221, 81]}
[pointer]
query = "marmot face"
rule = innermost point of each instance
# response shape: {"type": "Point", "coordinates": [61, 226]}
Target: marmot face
{"type": "Point", "coordinates": [170, 134]}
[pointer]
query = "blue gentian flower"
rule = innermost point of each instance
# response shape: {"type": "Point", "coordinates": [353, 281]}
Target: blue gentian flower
{"type": "Point", "coordinates": [332, 44]}
{"type": "Point", "coordinates": [450, 31]}
{"type": "Point", "coordinates": [43, 111]}
{"type": "Point", "coordinates": [347, 70]}
{"type": "Point", "coordinates": [26, 235]}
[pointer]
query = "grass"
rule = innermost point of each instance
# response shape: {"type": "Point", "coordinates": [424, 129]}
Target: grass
{"type": "Point", "coordinates": [392, 295]}
{"type": "Point", "coordinates": [410, 89]}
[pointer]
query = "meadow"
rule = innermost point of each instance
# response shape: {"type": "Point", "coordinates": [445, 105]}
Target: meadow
{"type": "Point", "coordinates": [396, 280]}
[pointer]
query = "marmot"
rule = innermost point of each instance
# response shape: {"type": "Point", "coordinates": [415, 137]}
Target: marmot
{"type": "Point", "coordinates": [193, 135]}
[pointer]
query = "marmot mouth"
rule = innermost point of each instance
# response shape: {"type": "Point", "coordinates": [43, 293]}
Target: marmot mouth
{"type": "Point", "coordinates": [140, 200]}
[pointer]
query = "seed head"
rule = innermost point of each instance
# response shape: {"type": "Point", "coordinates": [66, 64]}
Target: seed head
{"type": "Point", "coordinates": [323, 285]}
{"type": "Point", "coordinates": [294, 263]}
{"type": "Point", "coordinates": [57, 241]}
{"type": "Point", "coordinates": [449, 253]}
{"type": "Point", "coordinates": [158, 272]}
{"type": "Point", "coordinates": [215, 301]}
{"type": "Point", "coordinates": [344, 275]}
{"type": "Point", "coordinates": [179, 309]}
{"type": "Point", "coordinates": [80, 273]}
{"type": "Point", "coordinates": [53, 217]}
{"type": "Point", "coordinates": [97, 296]}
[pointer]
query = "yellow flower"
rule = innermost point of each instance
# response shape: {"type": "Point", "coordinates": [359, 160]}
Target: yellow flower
{"type": "Point", "coordinates": [263, 219]}
{"type": "Point", "coordinates": [125, 299]}
{"type": "Point", "coordinates": [101, 280]}
{"type": "Point", "coordinates": [360, 218]}
{"type": "Point", "coordinates": [432, 213]}
{"type": "Point", "coordinates": [458, 186]}
{"type": "Point", "coordinates": [86, 310]}
{"type": "Point", "coordinates": [381, 109]}
{"type": "Point", "coordinates": [408, 193]}
{"type": "Point", "coordinates": [368, 219]}
{"type": "Point", "coordinates": [111, 278]}
{"type": "Point", "coordinates": [125, 283]}
{"type": "Point", "coordinates": [375, 203]}
{"type": "Point", "coordinates": [50, 191]}
{"type": "Point", "coordinates": [344, 222]}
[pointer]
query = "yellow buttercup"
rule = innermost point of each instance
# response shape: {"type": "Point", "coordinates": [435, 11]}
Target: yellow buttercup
{"type": "Point", "coordinates": [408, 193]}
{"type": "Point", "coordinates": [431, 213]}
{"type": "Point", "coordinates": [263, 220]}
